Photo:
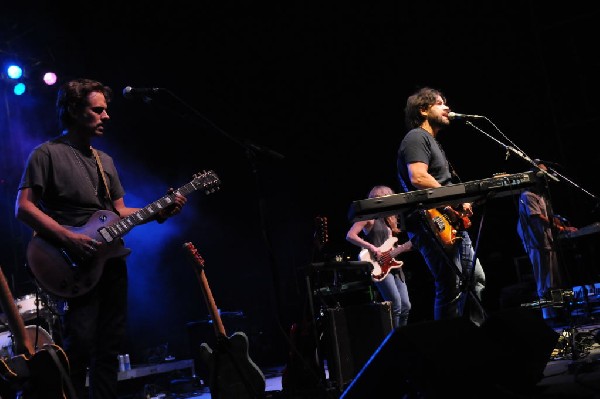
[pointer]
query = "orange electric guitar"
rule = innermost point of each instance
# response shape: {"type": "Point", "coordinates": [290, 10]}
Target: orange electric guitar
{"type": "Point", "coordinates": [446, 222]}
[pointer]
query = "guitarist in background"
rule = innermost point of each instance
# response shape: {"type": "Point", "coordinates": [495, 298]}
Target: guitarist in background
{"type": "Point", "coordinates": [63, 184]}
{"type": "Point", "coordinates": [376, 232]}
{"type": "Point", "coordinates": [422, 164]}
{"type": "Point", "coordinates": [535, 228]}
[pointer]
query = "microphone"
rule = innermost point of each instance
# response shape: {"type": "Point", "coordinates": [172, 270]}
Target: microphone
{"type": "Point", "coordinates": [454, 115]}
{"type": "Point", "coordinates": [133, 92]}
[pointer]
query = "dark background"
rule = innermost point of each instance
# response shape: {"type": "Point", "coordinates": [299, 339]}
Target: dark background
{"type": "Point", "coordinates": [321, 88]}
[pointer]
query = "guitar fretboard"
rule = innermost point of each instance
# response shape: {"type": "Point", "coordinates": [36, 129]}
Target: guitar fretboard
{"type": "Point", "coordinates": [207, 181]}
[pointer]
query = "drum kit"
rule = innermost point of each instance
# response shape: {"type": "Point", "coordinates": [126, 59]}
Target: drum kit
{"type": "Point", "coordinates": [36, 310]}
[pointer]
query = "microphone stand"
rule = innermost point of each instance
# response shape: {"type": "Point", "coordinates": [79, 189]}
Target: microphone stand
{"type": "Point", "coordinates": [515, 150]}
{"type": "Point", "coordinates": [572, 183]}
{"type": "Point", "coordinates": [252, 150]}
{"type": "Point", "coordinates": [544, 176]}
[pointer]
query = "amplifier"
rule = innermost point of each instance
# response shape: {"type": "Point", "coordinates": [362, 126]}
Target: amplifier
{"type": "Point", "coordinates": [351, 335]}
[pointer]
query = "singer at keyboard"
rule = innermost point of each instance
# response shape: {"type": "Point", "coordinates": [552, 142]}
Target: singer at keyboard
{"type": "Point", "coordinates": [422, 164]}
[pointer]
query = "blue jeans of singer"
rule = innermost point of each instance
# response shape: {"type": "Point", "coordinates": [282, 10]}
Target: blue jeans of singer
{"type": "Point", "coordinates": [452, 297]}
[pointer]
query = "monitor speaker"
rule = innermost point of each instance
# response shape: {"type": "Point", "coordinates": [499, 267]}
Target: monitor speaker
{"type": "Point", "coordinates": [351, 335]}
{"type": "Point", "coordinates": [507, 355]}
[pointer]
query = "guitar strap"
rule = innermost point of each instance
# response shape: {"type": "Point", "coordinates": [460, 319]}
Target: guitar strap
{"type": "Point", "coordinates": [101, 171]}
{"type": "Point", "coordinates": [63, 372]}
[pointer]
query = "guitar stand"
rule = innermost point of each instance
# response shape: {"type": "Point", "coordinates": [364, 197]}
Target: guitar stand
{"type": "Point", "coordinates": [321, 383]}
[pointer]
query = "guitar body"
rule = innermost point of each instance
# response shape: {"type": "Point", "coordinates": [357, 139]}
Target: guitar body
{"type": "Point", "coordinates": [14, 373]}
{"type": "Point", "coordinates": [233, 375]}
{"type": "Point", "coordinates": [383, 265]}
{"type": "Point", "coordinates": [37, 377]}
{"type": "Point", "coordinates": [31, 373]}
{"type": "Point", "coordinates": [66, 276]}
{"type": "Point", "coordinates": [302, 373]}
{"type": "Point", "coordinates": [445, 223]}
{"type": "Point", "coordinates": [46, 381]}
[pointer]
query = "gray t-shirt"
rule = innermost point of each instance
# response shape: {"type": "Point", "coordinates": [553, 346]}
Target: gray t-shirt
{"type": "Point", "coordinates": [69, 181]}
{"type": "Point", "coordinates": [420, 146]}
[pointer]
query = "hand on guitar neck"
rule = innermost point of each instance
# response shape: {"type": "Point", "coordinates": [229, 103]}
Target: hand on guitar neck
{"type": "Point", "coordinates": [385, 261]}
{"type": "Point", "coordinates": [445, 223]}
{"type": "Point", "coordinates": [66, 275]}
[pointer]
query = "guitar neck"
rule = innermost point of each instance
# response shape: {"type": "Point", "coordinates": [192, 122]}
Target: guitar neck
{"type": "Point", "coordinates": [22, 343]}
{"type": "Point", "coordinates": [207, 181]}
{"type": "Point", "coordinates": [210, 302]}
{"type": "Point", "coordinates": [206, 291]}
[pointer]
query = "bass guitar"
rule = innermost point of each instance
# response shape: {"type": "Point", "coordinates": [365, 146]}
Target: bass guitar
{"type": "Point", "coordinates": [66, 276]}
{"type": "Point", "coordinates": [39, 368]}
{"type": "Point", "coordinates": [387, 261]}
{"type": "Point", "coordinates": [445, 223]}
{"type": "Point", "coordinates": [232, 374]}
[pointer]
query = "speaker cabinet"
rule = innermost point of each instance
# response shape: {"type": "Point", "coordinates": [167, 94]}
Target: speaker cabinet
{"type": "Point", "coordinates": [521, 344]}
{"type": "Point", "coordinates": [506, 356]}
{"type": "Point", "coordinates": [351, 335]}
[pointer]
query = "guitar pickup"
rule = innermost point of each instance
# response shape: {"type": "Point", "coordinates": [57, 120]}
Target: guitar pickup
{"type": "Point", "coordinates": [105, 234]}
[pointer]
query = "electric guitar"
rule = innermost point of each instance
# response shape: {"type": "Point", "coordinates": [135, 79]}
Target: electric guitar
{"type": "Point", "coordinates": [32, 372]}
{"type": "Point", "coordinates": [232, 374]}
{"type": "Point", "coordinates": [386, 262]}
{"type": "Point", "coordinates": [303, 373]}
{"type": "Point", "coordinates": [445, 223]}
{"type": "Point", "coordinates": [67, 276]}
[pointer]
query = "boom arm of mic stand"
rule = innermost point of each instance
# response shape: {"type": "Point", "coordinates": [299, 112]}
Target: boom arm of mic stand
{"type": "Point", "coordinates": [248, 145]}
{"type": "Point", "coordinates": [573, 183]}
{"type": "Point", "coordinates": [515, 151]}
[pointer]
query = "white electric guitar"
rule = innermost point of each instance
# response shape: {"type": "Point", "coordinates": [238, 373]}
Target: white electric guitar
{"type": "Point", "coordinates": [385, 263]}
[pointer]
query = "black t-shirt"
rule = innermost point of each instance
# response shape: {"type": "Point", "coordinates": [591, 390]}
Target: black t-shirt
{"type": "Point", "coordinates": [69, 181]}
{"type": "Point", "coordinates": [420, 146]}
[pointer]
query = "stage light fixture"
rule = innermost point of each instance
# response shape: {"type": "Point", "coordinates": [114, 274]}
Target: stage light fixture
{"type": "Point", "coordinates": [14, 71]}
{"type": "Point", "coordinates": [50, 78]}
{"type": "Point", "coordinates": [20, 88]}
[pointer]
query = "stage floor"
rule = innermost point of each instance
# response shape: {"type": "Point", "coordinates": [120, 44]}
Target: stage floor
{"type": "Point", "coordinates": [573, 370]}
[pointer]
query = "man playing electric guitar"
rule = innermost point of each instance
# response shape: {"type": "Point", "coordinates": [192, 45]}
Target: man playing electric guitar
{"type": "Point", "coordinates": [422, 164]}
{"type": "Point", "coordinates": [378, 242]}
{"type": "Point", "coordinates": [64, 183]}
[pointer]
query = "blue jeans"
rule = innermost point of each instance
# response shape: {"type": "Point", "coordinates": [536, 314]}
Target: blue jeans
{"type": "Point", "coordinates": [393, 288]}
{"type": "Point", "coordinates": [451, 295]}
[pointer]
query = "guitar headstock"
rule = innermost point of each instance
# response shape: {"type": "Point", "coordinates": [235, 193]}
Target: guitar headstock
{"type": "Point", "coordinates": [193, 252]}
{"type": "Point", "coordinates": [209, 181]}
{"type": "Point", "coordinates": [321, 231]}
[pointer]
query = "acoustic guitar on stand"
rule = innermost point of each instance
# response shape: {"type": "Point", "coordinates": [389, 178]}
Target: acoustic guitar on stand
{"type": "Point", "coordinates": [32, 373]}
{"type": "Point", "coordinates": [233, 375]}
